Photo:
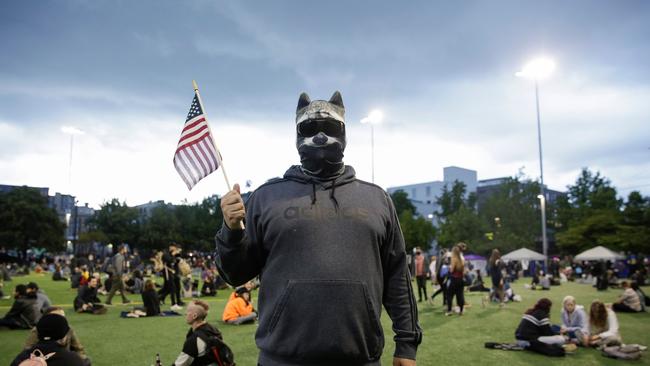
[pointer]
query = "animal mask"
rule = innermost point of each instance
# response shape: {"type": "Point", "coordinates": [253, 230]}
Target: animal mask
{"type": "Point", "coordinates": [320, 135]}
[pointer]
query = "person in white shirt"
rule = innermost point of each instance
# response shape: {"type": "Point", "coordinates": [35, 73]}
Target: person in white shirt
{"type": "Point", "coordinates": [602, 327]}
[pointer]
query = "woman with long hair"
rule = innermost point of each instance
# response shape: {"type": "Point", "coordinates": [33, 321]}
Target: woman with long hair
{"type": "Point", "coordinates": [602, 327]}
{"type": "Point", "coordinates": [496, 273]}
{"type": "Point", "coordinates": [534, 332]}
{"type": "Point", "coordinates": [456, 284]}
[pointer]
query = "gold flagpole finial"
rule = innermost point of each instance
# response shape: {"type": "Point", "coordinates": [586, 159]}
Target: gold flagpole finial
{"type": "Point", "coordinates": [196, 87]}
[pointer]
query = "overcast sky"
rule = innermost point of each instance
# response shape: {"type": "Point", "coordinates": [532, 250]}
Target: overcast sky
{"type": "Point", "coordinates": [442, 72]}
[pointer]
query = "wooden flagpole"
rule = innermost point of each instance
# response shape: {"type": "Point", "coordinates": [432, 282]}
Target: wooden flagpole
{"type": "Point", "coordinates": [214, 143]}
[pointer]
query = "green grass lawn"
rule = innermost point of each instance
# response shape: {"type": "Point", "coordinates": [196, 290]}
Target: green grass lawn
{"type": "Point", "coordinates": [111, 340]}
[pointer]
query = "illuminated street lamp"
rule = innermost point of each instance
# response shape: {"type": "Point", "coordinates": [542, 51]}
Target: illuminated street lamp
{"type": "Point", "coordinates": [375, 117]}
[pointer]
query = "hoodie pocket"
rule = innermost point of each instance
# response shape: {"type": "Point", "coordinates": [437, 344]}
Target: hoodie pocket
{"type": "Point", "coordinates": [325, 319]}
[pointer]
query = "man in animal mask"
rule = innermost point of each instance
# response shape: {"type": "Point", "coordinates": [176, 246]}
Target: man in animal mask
{"type": "Point", "coordinates": [329, 251]}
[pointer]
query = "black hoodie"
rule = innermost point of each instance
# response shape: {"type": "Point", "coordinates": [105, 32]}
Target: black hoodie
{"type": "Point", "coordinates": [329, 253]}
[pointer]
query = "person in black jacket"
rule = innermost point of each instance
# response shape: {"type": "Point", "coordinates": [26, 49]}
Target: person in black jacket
{"type": "Point", "coordinates": [534, 332]}
{"type": "Point", "coordinates": [171, 276]}
{"type": "Point", "coordinates": [87, 300]}
{"type": "Point", "coordinates": [52, 328]}
{"type": "Point", "coordinates": [24, 312]}
{"type": "Point", "coordinates": [320, 234]}
{"type": "Point", "coordinates": [196, 351]}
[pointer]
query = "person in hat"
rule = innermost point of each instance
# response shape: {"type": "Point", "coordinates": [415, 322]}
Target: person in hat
{"type": "Point", "coordinates": [321, 236]}
{"type": "Point", "coordinates": [71, 342]}
{"type": "Point", "coordinates": [52, 328]}
{"type": "Point", "coordinates": [239, 309]}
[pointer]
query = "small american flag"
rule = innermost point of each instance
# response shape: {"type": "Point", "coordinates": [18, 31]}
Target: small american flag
{"type": "Point", "coordinates": [196, 155]}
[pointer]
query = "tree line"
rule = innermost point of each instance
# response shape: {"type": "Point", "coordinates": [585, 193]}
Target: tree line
{"type": "Point", "coordinates": [590, 213]}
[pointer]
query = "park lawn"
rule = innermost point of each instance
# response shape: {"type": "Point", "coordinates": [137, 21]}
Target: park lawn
{"type": "Point", "coordinates": [111, 340]}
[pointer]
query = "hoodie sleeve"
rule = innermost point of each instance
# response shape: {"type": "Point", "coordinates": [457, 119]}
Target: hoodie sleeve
{"type": "Point", "coordinates": [399, 300]}
{"type": "Point", "coordinates": [238, 253]}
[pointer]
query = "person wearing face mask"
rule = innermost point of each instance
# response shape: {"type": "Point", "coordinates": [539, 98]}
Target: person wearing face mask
{"type": "Point", "coordinates": [321, 236]}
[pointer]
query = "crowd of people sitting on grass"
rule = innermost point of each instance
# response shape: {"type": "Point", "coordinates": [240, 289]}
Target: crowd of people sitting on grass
{"type": "Point", "coordinates": [193, 276]}
{"type": "Point", "coordinates": [599, 328]}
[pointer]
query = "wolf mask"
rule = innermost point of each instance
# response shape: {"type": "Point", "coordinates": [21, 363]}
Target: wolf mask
{"type": "Point", "coordinates": [320, 135]}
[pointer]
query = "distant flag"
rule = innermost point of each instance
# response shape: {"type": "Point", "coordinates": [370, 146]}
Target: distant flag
{"type": "Point", "coordinates": [196, 154]}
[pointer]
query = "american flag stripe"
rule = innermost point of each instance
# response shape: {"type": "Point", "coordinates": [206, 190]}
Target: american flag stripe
{"type": "Point", "coordinates": [196, 156]}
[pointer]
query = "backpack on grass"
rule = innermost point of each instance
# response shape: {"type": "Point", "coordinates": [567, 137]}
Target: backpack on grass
{"type": "Point", "coordinates": [629, 352]}
{"type": "Point", "coordinates": [36, 358]}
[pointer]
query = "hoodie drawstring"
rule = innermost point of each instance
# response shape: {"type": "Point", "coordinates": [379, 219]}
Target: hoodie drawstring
{"type": "Point", "coordinates": [332, 197]}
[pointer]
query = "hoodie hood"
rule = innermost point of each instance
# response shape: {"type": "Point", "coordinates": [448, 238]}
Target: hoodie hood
{"type": "Point", "coordinates": [297, 174]}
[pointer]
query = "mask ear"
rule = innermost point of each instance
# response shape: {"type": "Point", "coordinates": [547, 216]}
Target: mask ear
{"type": "Point", "coordinates": [336, 99]}
{"type": "Point", "coordinates": [303, 101]}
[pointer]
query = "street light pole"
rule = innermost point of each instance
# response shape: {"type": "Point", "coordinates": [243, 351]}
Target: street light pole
{"type": "Point", "coordinates": [536, 70]}
{"type": "Point", "coordinates": [374, 117]}
{"type": "Point", "coordinates": [372, 150]}
{"type": "Point", "coordinates": [541, 179]}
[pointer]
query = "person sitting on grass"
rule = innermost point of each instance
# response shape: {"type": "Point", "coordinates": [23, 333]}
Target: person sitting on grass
{"type": "Point", "coordinates": [478, 284]}
{"type": "Point", "coordinates": [602, 327]}
{"type": "Point", "coordinates": [534, 332]}
{"type": "Point", "coordinates": [574, 320]}
{"type": "Point", "coordinates": [58, 274]}
{"type": "Point", "coordinates": [239, 310]}
{"type": "Point", "coordinates": [196, 350]}
{"type": "Point", "coordinates": [42, 301]}
{"type": "Point", "coordinates": [150, 299]}
{"type": "Point", "coordinates": [209, 287]}
{"type": "Point", "coordinates": [23, 313]}
{"type": "Point", "coordinates": [70, 341]}
{"type": "Point", "coordinates": [52, 328]}
{"type": "Point", "coordinates": [642, 297]}
{"type": "Point", "coordinates": [629, 301]}
{"type": "Point", "coordinates": [87, 300]}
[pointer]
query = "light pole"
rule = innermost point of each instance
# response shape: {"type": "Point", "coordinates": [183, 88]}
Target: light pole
{"type": "Point", "coordinates": [72, 131]}
{"type": "Point", "coordinates": [373, 118]}
{"type": "Point", "coordinates": [536, 70]}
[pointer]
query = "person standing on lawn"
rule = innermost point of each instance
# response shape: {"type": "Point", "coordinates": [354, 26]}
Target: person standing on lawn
{"type": "Point", "coordinates": [117, 278]}
{"type": "Point", "coordinates": [320, 235]}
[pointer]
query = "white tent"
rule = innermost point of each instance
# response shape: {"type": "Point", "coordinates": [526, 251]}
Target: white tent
{"type": "Point", "coordinates": [598, 253]}
{"type": "Point", "coordinates": [523, 254]}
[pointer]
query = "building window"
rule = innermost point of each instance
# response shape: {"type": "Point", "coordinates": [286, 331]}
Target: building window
{"type": "Point", "coordinates": [428, 191]}
{"type": "Point", "coordinates": [413, 193]}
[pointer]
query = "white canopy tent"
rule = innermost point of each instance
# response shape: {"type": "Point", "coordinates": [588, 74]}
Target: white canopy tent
{"type": "Point", "coordinates": [598, 253]}
{"type": "Point", "coordinates": [523, 254]}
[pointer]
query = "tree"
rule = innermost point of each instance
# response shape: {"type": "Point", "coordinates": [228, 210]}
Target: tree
{"type": "Point", "coordinates": [27, 221]}
{"type": "Point", "coordinates": [457, 218]}
{"type": "Point", "coordinates": [199, 223]}
{"type": "Point", "coordinates": [590, 214]}
{"type": "Point", "coordinates": [161, 228]}
{"type": "Point", "coordinates": [465, 226]}
{"type": "Point", "coordinates": [512, 215]}
{"type": "Point", "coordinates": [635, 226]}
{"type": "Point", "coordinates": [417, 231]}
{"type": "Point", "coordinates": [117, 221]}
{"type": "Point", "coordinates": [402, 202]}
